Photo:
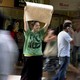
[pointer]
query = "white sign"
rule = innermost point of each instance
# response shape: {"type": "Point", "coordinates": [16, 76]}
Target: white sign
{"type": "Point", "coordinates": [39, 12]}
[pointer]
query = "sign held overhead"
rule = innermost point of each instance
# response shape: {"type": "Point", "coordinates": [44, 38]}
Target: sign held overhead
{"type": "Point", "coordinates": [39, 12]}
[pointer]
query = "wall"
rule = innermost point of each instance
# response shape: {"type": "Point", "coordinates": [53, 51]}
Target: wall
{"type": "Point", "coordinates": [46, 1]}
{"type": "Point", "coordinates": [66, 4]}
{"type": "Point", "coordinates": [9, 3]}
{"type": "Point", "coordinates": [12, 12]}
{"type": "Point", "coordinates": [65, 9]}
{"type": "Point", "coordinates": [8, 9]}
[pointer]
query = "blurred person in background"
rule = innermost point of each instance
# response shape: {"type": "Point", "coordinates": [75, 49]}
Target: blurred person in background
{"type": "Point", "coordinates": [64, 41]}
{"type": "Point", "coordinates": [13, 28]}
{"type": "Point", "coordinates": [51, 62]}
{"type": "Point", "coordinates": [76, 47]}
{"type": "Point", "coordinates": [20, 42]}
{"type": "Point", "coordinates": [8, 51]}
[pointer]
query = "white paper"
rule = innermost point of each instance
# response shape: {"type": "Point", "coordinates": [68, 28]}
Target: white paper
{"type": "Point", "coordinates": [39, 12]}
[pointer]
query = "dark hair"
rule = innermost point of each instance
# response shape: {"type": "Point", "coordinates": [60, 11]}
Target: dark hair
{"type": "Point", "coordinates": [20, 30]}
{"type": "Point", "coordinates": [34, 22]}
{"type": "Point", "coordinates": [59, 29]}
{"type": "Point", "coordinates": [55, 30]}
{"type": "Point", "coordinates": [65, 25]}
{"type": "Point", "coordinates": [2, 20]}
{"type": "Point", "coordinates": [10, 28]}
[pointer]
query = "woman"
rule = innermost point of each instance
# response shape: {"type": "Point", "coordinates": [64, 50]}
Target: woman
{"type": "Point", "coordinates": [51, 40]}
{"type": "Point", "coordinates": [51, 62]}
{"type": "Point", "coordinates": [33, 59]}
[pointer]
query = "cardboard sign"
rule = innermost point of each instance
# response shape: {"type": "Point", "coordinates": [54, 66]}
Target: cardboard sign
{"type": "Point", "coordinates": [39, 12]}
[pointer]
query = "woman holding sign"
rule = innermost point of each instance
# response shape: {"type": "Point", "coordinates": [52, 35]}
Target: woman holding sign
{"type": "Point", "coordinates": [33, 57]}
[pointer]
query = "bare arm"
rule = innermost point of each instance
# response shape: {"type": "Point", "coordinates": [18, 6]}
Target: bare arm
{"type": "Point", "coordinates": [72, 42]}
{"type": "Point", "coordinates": [25, 22]}
{"type": "Point", "coordinates": [49, 38]}
{"type": "Point", "coordinates": [45, 26]}
{"type": "Point", "coordinates": [71, 31]}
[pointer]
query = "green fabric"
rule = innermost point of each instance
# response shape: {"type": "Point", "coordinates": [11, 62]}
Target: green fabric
{"type": "Point", "coordinates": [33, 43]}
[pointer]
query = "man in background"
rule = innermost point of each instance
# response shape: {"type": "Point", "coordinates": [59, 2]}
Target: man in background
{"type": "Point", "coordinates": [64, 41]}
{"type": "Point", "coordinates": [76, 47]}
{"type": "Point", "coordinates": [8, 51]}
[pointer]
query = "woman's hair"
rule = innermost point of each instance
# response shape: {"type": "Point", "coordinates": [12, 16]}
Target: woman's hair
{"type": "Point", "coordinates": [20, 30]}
{"type": "Point", "coordinates": [9, 28]}
{"type": "Point", "coordinates": [34, 22]}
